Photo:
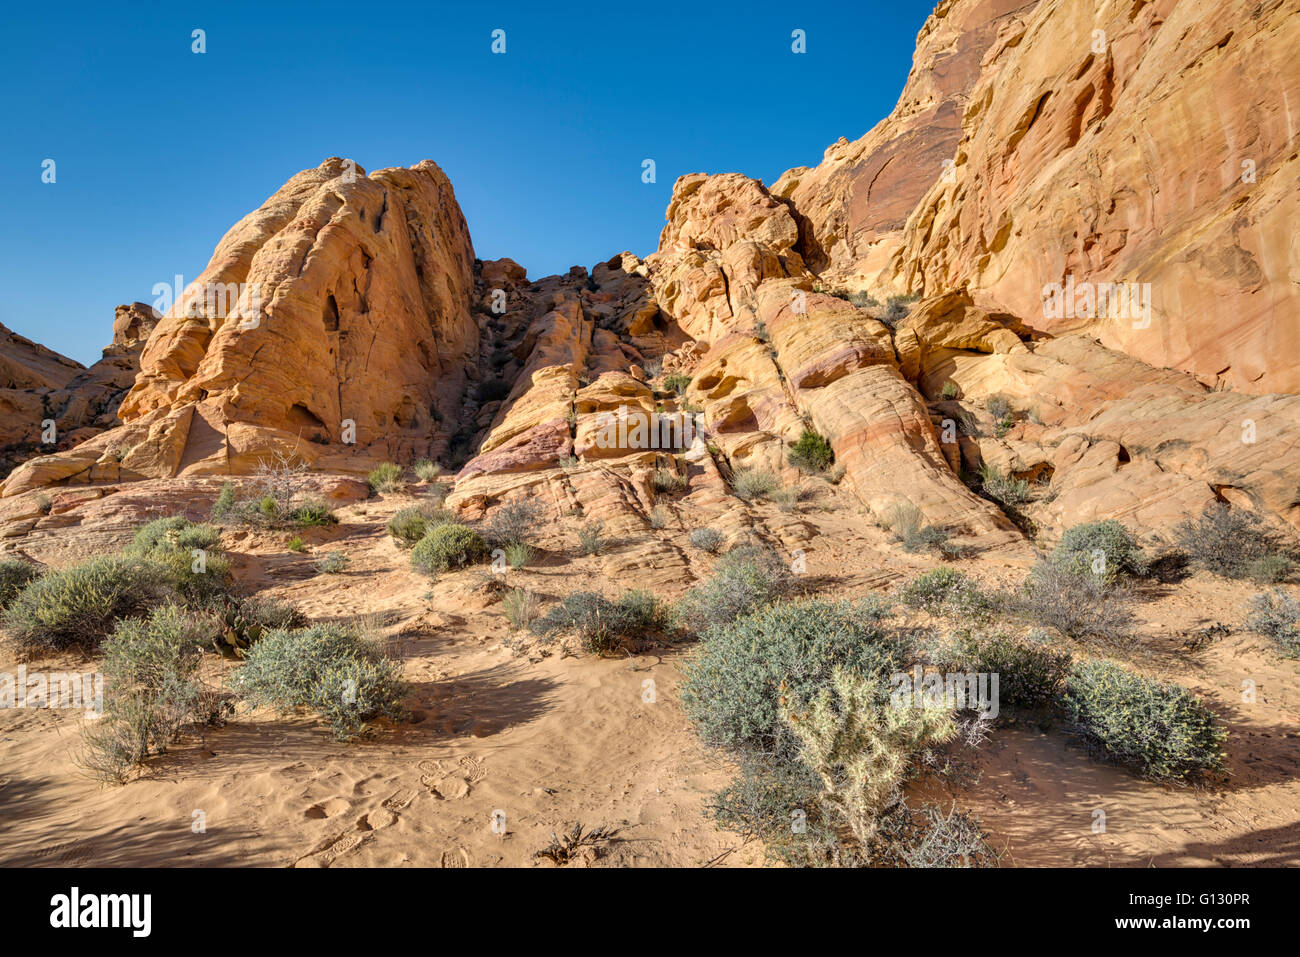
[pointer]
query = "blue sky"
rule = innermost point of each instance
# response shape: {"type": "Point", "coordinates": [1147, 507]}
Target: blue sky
{"type": "Point", "coordinates": [160, 150]}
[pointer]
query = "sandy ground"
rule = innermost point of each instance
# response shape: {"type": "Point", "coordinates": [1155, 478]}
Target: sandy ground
{"type": "Point", "coordinates": [543, 742]}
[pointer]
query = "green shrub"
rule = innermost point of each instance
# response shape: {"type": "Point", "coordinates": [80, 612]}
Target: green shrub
{"type": "Point", "coordinates": [195, 580]}
{"type": "Point", "coordinates": [677, 382]}
{"type": "Point", "coordinates": [946, 591]}
{"type": "Point", "coordinates": [1159, 729]}
{"type": "Point", "coordinates": [1226, 541]}
{"type": "Point", "coordinates": [812, 453]}
{"type": "Point", "coordinates": [224, 508]}
{"type": "Point", "coordinates": [706, 539]}
{"type": "Point", "coordinates": [949, 391]}
{"type": "Point", "coordinates": [905, 524]}
{"type": "Point", "coordinates": [591, 540]}
{"type": "Point", "coordinates": [409, 525]}
{"type": "Point", "coordinates": [311, 513]}
{"type": "Point", "coordinates": [603, 625]}
{"type": "Point", "coordinates": [751, 484]}
{"type": "Point", "coordinates": [448, 546]}
{"type": "Point", "coordinates": [332, 563]}
{"type": "Point", "coordinates": [334, 670]}
{"type": "Point", "coordinates": [1277, 615]}
{"type": "Point", "coordinates": [514, 523]}
{"type": "Point", "coordinates": [386, 477]}
{"type": "Point", "coordinates": [79, 606]}
{"type": "Point", "coordinates": [518, 555]}
{"type": "Point", "coordinates": [15, 575]}
{"type": "Point", "coordinates": [1006, 490]}
{"type": "Point", "coordinates": [427, 470]}
{"type": "Point", "coordinates": [173, 534]}
{"type": "Point", "coordinates": [1079, 606]}
{"type": "Point", "coordinates": [1105, 549]}
{"type": "Point", "coordinates": [668, 481]}
{"type": "Point", "coordinates": [1270, 569]}
{"type": "Point", "coordinates": [296, 544]}
{"type": "Point", "coordinates": [762, 801]}
{"type": "Point", "coordinates": [1030, 673]}
{"type": "Point", "coordinates": [744, 579]}
{"type": "Point", "coordinates": [740, 670]}
{"type": "Point", "coordinates": [521, 607]}
{"type": "Point", "coordinates": [152, 693]}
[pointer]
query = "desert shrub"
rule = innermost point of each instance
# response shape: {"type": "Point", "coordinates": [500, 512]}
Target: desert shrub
{"type": "Point", "coordinates": [744, 579]}
{"type": "Point", "coordinates": [309, 513]}
{"type": "Point", "coordinates": [740, 670]}
{"type": "Point", "coordinates": [1270, 569]}
{"type": "Point", "coordinates": [386, 477]}
{"type": "Point", "coordinates": [1030, 672]}
{"type": "Point", "coordinates": [80, 605]}
{"type": "Point", "coordinates": [1159, 729]}
{"type": "Point", "coordinates": [861, 745]}
{"type": "Point", "coordinates": [409, 525]}
{"type": "Point", "coordinates": [835, 474]}
{"type": "Point", "coordinates": [15, 575]}
{"type": "Point", "coordinates": [239, 622]}
{"type": "Point", "coordinates": [789, 496]}
{"type": "Point", "coordinates": [761, 801]}
{"type": "Point", "coordinates": [591, 539]}
{"type": "Point", "coordinates": [296, 544]}
{"type": "Point", "coordinates": [521, 607]}
{"type": "Point", "coordinates": [1107, 546]}
{"type": "Point", "coordinates": [659, 517]}
{"type": "Point", "coordinates": [448, 546]}
{"type": "Point", "coordinates": [706, 539]}
{"type": "Point", "coordinates": [1225, 540]}
{"type": "Point", "coordinates": [1004, 489]}
{"type": "Point", "coordinates": [518, 555]}
{"type": "Point", "coordinates": [902, 520]}
{"type": "Point", "coordinates": [930, 538]}
{"type": "Point", "coordinates": [751, 484]}
{"type": "Point", "coordinates": [931, 837]}
{"type": "Point", "coordinates": [905, 523]}
{"type": "Point", "coordinates": [1079, 606]}
{"type": "Point", "coordinates": [602, 624]}
{"type": "Point", "coordinates": [949, 391]}
{"type": "Point", "coordinates": [225, 506]}
{"type": "Point", "coordinates": [194, 579]}
{"type": "Point", "coordinates": [172, 534]}
{"type": "Point", "coordinates": [677, 382]}
{"type": "Point", "coordinates": [946, 591]}
{"type": "Point", "coordinates": [332, 563]}
{"type": "Point", "coordinates": [668, 481]}
{"type": "Point", "coordinates": [426, 470]}
{"type": "Point", "coordinates": [812, 453]}
{"type": "Point", "coordinates": [999, 408]}
{"type": "Point", "coordinates": [152, 694]}
{"type": "Point", "coordinates": [513, 523]}
{"type": "Point", "coordinates": [335, 670]}
{"type": "Point", "coordinates": [1277, 616]}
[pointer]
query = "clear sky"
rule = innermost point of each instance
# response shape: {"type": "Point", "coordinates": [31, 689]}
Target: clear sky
{"type": "Point", "coordinates": [159, 150]}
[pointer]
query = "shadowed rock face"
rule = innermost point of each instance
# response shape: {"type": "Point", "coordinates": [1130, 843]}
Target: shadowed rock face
{"type": "Point", "coordinates": [358, 300]}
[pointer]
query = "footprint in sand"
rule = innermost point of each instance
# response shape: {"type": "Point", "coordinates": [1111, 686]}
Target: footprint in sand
{"type": "Point", "coordinates": [324, 809]}
{"type": "Point", "coordinates": [451, 782]}
{"type": "Point", "coordinates": [399, 800]}
{"type": "Point", "coordinates": [456, 857]}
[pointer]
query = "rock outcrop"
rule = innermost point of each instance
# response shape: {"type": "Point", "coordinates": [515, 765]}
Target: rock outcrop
{"type": "Point", "coordinates": [1146, 143]}
{"type": "Point", "coordinates": [333, 318]}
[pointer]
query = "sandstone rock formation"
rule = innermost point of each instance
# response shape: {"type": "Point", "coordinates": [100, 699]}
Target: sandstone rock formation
{"type": "Point", "coordinates": [39, 386]}
{"type": "Point", "coordinates": [357, 302]}
{"type": "Point", "coordinates": [1142, 143]}
{"type": "Point", "coordinates": [335, 316]}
